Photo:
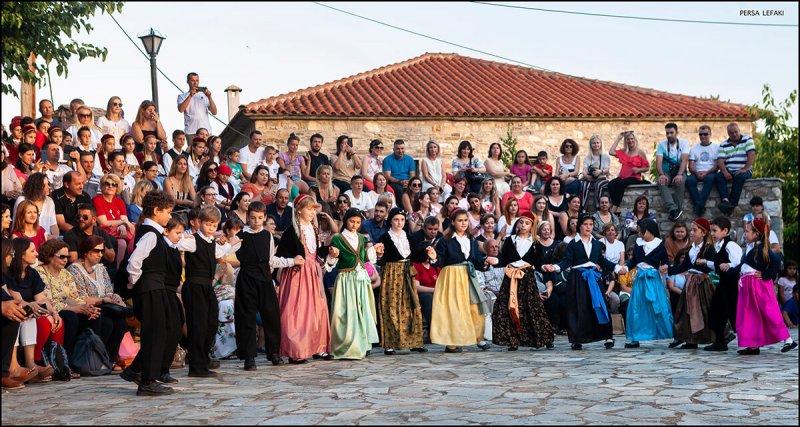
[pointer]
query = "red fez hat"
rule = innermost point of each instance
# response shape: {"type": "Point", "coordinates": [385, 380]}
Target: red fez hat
{"type": "Point", "coordinates": [761, 226]}
{"type": "Point", "coordinates": [703, 223]}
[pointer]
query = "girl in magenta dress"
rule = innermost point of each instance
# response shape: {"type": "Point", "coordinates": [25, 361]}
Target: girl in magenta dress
{"type": "Point", "coordinates": [305, 327]}
{"type": "Point", "coordinates": [758, 318]}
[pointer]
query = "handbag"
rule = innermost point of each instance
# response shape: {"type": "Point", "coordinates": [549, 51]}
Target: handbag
{"type": "Point", "coordinates": [116, 311]}
{"type": "Point", "coordinates": [475, 177]}
{"type": "Point", "coordinates": [617, 324]}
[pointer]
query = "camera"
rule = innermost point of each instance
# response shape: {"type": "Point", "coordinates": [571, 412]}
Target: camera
{"type": "Point", "coordinates": [201, 88]}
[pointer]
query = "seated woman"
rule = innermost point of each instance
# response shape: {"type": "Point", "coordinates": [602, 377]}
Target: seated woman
{"type": "Point", "coordinates": [37, 190]}
{"type": "Point", "coordinates": [467, 166]}
{"type": "Point", "coordinates": [382, 189]}
{"type": "Point", "coordinates": [225, 290]}
{"type": "Point", "coordinates": [77, 313]}
{"type": "Point", "coordinates": [372, 163]}
{"type": "Point", "coordinates": [345, 163]}
{"type": "Point", "coordinates": [524, 199]}
{"type": "Point", "coordinates": [569, 166]}
{"type": "Point", "coordinates": [641, 211]}
{"type": "Point", "coordinates": [112, 214]}
{"type": "Point", "coordinates": [325, 190]}
{"type": "Point", "coordinates": [432, 170]}
{"type": "Point", "coordinates": [23, 283]}
{"type": "Point", "coordinates": [26, 224]}
{"type": "Point", "coordinates": [260, 185]}
{"type": "Point", "coordinates": [422, 210]}
{"type": "Point", "coordinates": [94, 286]}
{"type": "Point", "coordinates": [490, 196]}
{"type": "Point", "coordinates": [496, 170]}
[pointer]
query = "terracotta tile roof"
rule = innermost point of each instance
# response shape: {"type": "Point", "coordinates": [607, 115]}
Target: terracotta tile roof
{"type": "Point", "coordinates": [450, 85]}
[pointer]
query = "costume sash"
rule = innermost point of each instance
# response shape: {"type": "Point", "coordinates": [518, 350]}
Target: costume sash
{"type": "Point", "coordinates": [476, 296]}
{"type": "Point", "coordinates": [592, 277]}
{"type": "Point", "coordinates": [651, 292]}
{"type": "Point", "coordinates": [693, 283]}
{"type": "Point", "coordinates": [513, 303]}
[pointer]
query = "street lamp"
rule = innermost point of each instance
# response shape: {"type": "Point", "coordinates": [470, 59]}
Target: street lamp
{"type": "Point", "coordinates": [152, 44]}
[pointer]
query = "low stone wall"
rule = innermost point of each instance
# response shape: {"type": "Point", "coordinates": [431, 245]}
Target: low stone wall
{"type": "Point", "coordinates": [768, 189]}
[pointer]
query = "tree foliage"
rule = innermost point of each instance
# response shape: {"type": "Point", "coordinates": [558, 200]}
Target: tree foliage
{"type": "Point", "coordinates": [777, 157]}
{"type": "Point", "coordinates": [47, 30]}
{"type": "Point", "coordinates": [509, 144]}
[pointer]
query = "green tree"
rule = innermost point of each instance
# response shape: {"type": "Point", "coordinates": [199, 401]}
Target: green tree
{"type": "Point", "coordinates": [777, 157]}
{"type": "Point", "coordinates": [46, 29]}
{"type": "Point", "coordinates": [509, 144]}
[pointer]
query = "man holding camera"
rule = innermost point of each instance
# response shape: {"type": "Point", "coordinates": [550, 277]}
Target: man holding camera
{"type": "Point", "coordinates": [672, 156]}
{"type": "Point", "coordinates": [195, 105]}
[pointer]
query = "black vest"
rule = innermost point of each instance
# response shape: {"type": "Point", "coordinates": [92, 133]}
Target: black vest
{"type": "Point", "coordinates": [253, 255]}
{"type": "Point", "coordinates": [154, 265]}
{"type": "Point", "coordinates": [173, 270]}
{"type": "Point", "coordinates": [722, 257]}
{"type": "Point", "coordinates": [201, 264]}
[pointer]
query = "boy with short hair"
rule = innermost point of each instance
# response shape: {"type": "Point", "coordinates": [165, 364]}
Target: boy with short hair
{"type": "Point", "coordinates": [199, 299]}
{"type": "Point", "coordinates": [726, 264]}
{"type": "Point", "coordinates": [159, 314]}
{"type": "Point", "coordinates": [270, 153]}
{"type": "Point", "coordinates": [254, 290]}
{"type": "Point", "coordinates": [542, 170]}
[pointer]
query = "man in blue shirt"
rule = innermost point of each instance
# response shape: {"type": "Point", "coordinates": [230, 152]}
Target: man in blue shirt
{"type": "Point", "coordinates": [377, 225]}
{"type": "Point", "coordinates": [281, 211]}
{"type": "Point", "coordinates": [399, 168]}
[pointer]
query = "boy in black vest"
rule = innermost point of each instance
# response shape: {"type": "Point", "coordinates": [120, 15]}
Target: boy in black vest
{"type": "Point", "coordinates": [726, 264]}
{"type": "Point", "coordinates": [159, 314]}
{"type": "Point", "coordinates": [199, 299]}
{"type": "Point", "coordinates": [254, 290]}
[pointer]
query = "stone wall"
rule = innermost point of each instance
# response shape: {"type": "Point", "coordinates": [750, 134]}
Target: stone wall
{"type": "Point", "coordinates": [768, 188]}
{"type": "Point", "coordinates": [532, 136]}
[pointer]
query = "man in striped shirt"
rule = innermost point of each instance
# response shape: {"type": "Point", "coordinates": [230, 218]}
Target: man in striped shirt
{"type": "Point", "coordinates": [735, 162]}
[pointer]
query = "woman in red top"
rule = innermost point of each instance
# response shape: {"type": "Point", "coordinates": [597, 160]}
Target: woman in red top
{"type": "Point", "coordinates": [425, 281]}
{"type": "Point", "coordinates": [112, 214]}
{"type": "Point", "coordinates": [634, 162]}
{"type": "Point", "coordinates": [26, 224]}
{"type": "Point", "coordinates": [524, 199]}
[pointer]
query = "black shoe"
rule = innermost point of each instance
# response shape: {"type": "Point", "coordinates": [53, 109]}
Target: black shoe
{"type": "Point", "coordinates": [366, 355]}
{"type": "Point", "coordinates": [787, 347]}
{"type": "Point", "coordinates": [549, 346]}
{"type": "Point", "coordinates": [453, 350]}
{"type": "Point", "coordinates": [275, 359]}
{"type": "Point", "coordinates": [153, 389]}
{"type": "Point", "coordinates": [167, 379]}
{"type": "Point", "coordinates": [675, 343]}
{"type": "Point", "coordinates": [323, 356]}
{"type": "Point", "coordinates": [213, 364]}
{"type": "Point", "coordinates": [577, 346]}
{"type": "Point", "coordinates": [128, 375]}
{"type": "Point", "coordinates": [250, 364]}
{"type": "Point", "coordinates": [512, 348]}
{"type": "Point", "coordinates": [731, 336]}
{"type": "Point", "coordinates": [749, 351]}
{"type": "Point", "coordinates": [204, 373]}
{"type": "Point", "coordinates": [389, 352]}
{"type": "Point", "coordinates": [688, 346]}
{"type": "Point", "coordinates": [717, 346]}
{"type": "Point", "coordinates": [484, 346]}
{"type": "Point", "coordinates": [673, 215]}
{"type": "Point", "coordinates": [420, 349]}
{"type": "Point", "coordinates": [609, 344]}
{"type": "Point", "coordinates": [297, 361]}
{"type": "Point", "coordinates": [631, 345]}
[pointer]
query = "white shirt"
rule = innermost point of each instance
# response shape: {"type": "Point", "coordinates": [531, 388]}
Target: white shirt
{"type": "Point", "coordinates": [746, 267]}
{"type": "Point", "coordinates": [310, 237]}
{"type": "Point", "coordinates": [464, 242]}
{"type": "Point", "coordinates": [118, 129]}
{"type": "Point", "coordinates": [509, 227]}
{"type": "Point", "coordinates": [274, 261]}
{"type": "Point", "coordinates": [364, 203]}
{"type": "Point", "coordinates": [401, 243]}
{"type": "Point", "coordinates": [705, 157]}
{"type": "Point", "coordinates": [352, 239]}
{"type": "Point", "coordinates": [47, 216]}
{"type": "Point", "coordinates": [56, 177]}
{"type": "Point", "coordinates": [694, 250]}
{"type": "Point", "coordinates": [648, 247]}
{"type": "Point", "coordinates": [587, 247]}
{"type": "Point", "coordinates": [613, 249]}
{"type": "Point", "coordinates": [142, 250]}
{"type": "Point", "coordinates": [196, 114]}
{"type": "Point", "coordinates": [250, 159]}
{"type": "Point", "coordinates": [220, 251]}
{"type": "Point", "coordinates": [95, 140]}
{"type": "Point", "coordinates": [522, 245]}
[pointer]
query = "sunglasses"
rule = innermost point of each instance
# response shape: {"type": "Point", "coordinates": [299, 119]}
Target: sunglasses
{"type": "Point", "coordinates": [62, 257]}
{"type": "Point", "coordinates": [416, 185]}
{"type": "Point", "coordinates": [96, 251]}
{"type": "Point", "coordinates": [116, 104]}
{"type": "Point", "coordinates": [110, 184]}
{"type": "Point", "coordinates": [703, 134]}
{"type": "Point", "coordinates": [86, 116]}
{"type": "Point", "coordinates": [379, 148]}
{"type": "Point", "coordinates": [84, 217]}
{"type": "Point", "coordinates": [211, 170]}
{"type": "Point", "coordinates": [342, 201]}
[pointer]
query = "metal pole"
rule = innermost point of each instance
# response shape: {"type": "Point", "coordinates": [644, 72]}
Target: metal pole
{"type": "Point", "coordinates": [154, 81]}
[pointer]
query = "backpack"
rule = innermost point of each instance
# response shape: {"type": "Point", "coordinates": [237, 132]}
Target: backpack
{"type": "Point", "coordinates": [90, 356]}
{"type": "Point", "coordinates": [53, 354]}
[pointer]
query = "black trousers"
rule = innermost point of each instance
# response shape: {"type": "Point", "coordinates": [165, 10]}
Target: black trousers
{"type": "Point", "coordinates": [617, 186]}
{"type": "Point", "coordinates": [159, 314]}
{"type": "Point", "coordinates": [110, 330]}
{"type": "Point", "coordinates": [256, 295]}
{"type": "Point", "coordinates": [9, 337]}
{"type": "Point", "coordinates": [200, 304]}
{"type": "Point", "coordinates": [556, 307]}
{"type": "Point", "coordinates": [723, 305]}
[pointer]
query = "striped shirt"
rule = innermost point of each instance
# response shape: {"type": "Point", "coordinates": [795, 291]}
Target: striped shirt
{"type": "Point", "coordinates": [736, 155]}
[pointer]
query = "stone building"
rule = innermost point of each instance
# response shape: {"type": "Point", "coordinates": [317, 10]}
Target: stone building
{"type": "Point", "coordinates": [449, 98]}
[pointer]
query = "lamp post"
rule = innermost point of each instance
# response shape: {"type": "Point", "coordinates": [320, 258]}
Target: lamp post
{"type": "Point", "coordinates": [152, 44]}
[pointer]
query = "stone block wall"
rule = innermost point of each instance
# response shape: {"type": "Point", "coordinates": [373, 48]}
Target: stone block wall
{"type": "Point", "coordinates": [768, 189]}
{"type": "Point", "coordinates": [532, 136]}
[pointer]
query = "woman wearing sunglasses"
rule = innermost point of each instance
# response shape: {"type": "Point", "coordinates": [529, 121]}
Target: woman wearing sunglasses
{"type": "Point", "coordinates": [112, 215]}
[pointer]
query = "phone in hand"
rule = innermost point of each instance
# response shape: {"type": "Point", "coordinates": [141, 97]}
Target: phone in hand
{"type": "Point", "coordinates": [201, 88]}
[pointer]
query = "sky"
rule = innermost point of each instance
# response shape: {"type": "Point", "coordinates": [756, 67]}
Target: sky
{"type": "Point", "coordinates": [269, 49]}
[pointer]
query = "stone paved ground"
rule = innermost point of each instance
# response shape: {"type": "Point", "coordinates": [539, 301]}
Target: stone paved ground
{"type": "Point", "coordinates": [651, 385]}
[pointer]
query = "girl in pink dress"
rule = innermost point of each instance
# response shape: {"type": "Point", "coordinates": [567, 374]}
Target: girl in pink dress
{"type": "Point", "coordinates": [305, 327]}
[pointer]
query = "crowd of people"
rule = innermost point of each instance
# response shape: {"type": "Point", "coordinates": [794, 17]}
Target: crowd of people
{"type": "Point", "coordinates": [309, 256]}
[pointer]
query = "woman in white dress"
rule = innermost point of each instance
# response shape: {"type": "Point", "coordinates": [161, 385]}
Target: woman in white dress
{"type": "Point", "coordinates": [433, 171]}
{"type": "Point", "coordinates": [496, 169]}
